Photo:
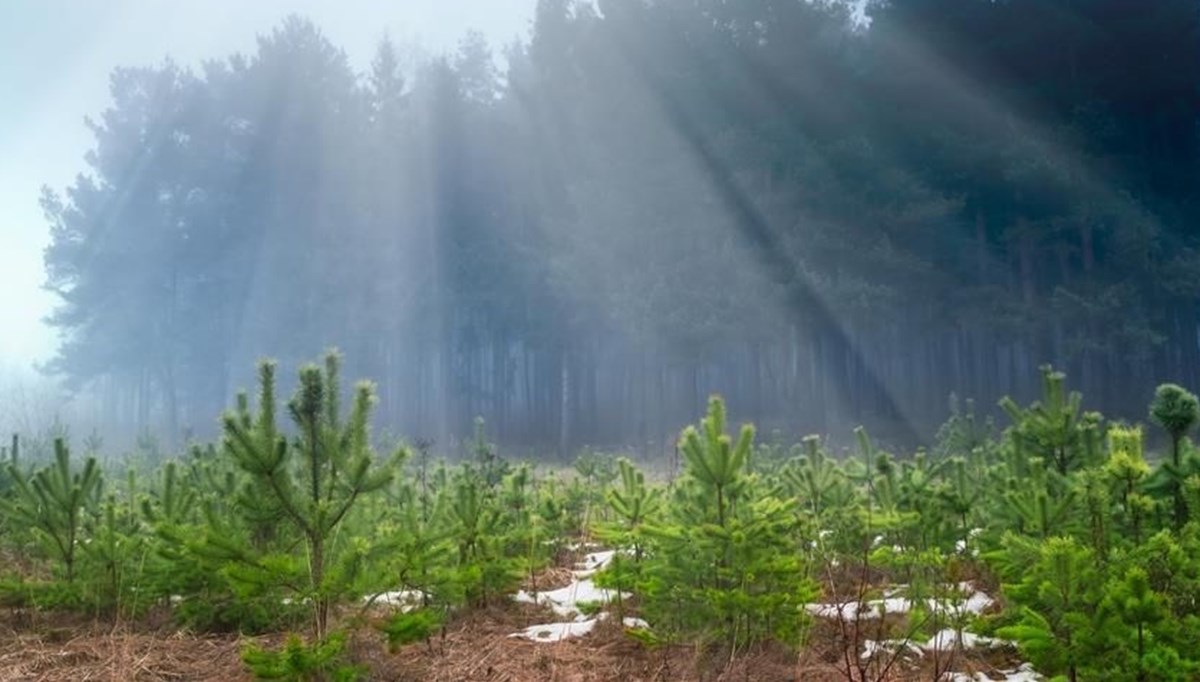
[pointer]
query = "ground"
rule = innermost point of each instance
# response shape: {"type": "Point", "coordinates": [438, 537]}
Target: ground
{"type": "Point", "coordinates": [38, 647]}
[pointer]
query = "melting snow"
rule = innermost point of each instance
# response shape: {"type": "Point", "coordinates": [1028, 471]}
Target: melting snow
{"type": "Point", "coordinates": [557, 632]}
{"type": "Point", "coordinates": [949, 640]}
{"type": "Point", "coordinates": [975, 604]}
{"type": "Point", "coordinates": [874, 608]}
{"type": "Point", "coordinates": [946, 640]}
{"type": "Point", "coordinates": [1023, 673]}
{"type": "Point", "coordinates": [405, 600]}
{"type": "Point", "coordinates": [565, 601]}
{"type": "Point", "coordinates": [593, 562]}
{"type": "Point", "coordinates": [887, 646]}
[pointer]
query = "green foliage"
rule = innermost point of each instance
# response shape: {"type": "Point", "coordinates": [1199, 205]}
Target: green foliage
{"type": "Point", "coordinates": [55, 502]}
{"type": "Point", "coordinates": [816, 480]}
{"type": "Point", "coordinates": [1059, 590]}
{"type": "Point", "coordinates": [634, 505]}
{"type": "Point", "coordinates": [1053, 428]}
{"type": "Point", "coordinates": [721, 565]}
{"type": "Point", "coordinates": [484, 570]}
{"type": "Point", "coordinates": [315, 479]}
{"type": "Point", "coordinates": [271, 528]}
{"type": "Point", "coordinates": [412, 626]}
{"type": "Point", "coordinates": [302, 662]}
{"type": "Point", "coordinates": [1177, 411]}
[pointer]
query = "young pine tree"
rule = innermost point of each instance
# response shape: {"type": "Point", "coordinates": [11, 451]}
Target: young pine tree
{"type": "Point", "coordinates": [54, 501]}
{"type": "Point", "coordinates": [1177, 411]}
{"type": "Point", "coordinates": [316, 477]}
{"type": "Point", "coordinates": [1053, 428]}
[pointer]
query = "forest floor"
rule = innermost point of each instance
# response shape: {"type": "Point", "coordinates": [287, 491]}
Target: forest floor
{"type": "Point", "coordinates": [477, 646]}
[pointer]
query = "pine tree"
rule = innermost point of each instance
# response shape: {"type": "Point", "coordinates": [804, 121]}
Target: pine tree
{"type": "Point", "coordinates": [634, 504]}
{"type": "Point", "coordinates": [317, 477]}
{"type": "Point", "coordinates": [1055, 594]}
{"type": "Point", "coordinates": [722, 562]}
{"type": "Point", "coordinates": [1136, 604]}
{"type": "Point", "coordinates": [1177, 411]}
{"type": "Point", "coordinates": [714, 461]}
{"type": "Point", "coordinates": [1128, 469]}
{"type": "Point", "coordinates": [816, 480]}
{"type": "Point", "coordinates": [1053, 428]}
{"type": "Point", "coordinates": [54, 502]}
{"type": "Point", "coordinates": [1033, 503]}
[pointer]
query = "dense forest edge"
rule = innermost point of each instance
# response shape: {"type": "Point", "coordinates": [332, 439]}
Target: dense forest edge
{"type": "Point", "coordinates": [1053, 545]}
{"type": "Point", "coordinates": [828, 217]}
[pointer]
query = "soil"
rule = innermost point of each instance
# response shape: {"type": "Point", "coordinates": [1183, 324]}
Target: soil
{"type": "Point", "coordinates": [49, 647]}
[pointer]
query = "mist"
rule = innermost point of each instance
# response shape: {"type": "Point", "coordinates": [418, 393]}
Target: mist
{"type": "Point", "coordinates": [828, 213]}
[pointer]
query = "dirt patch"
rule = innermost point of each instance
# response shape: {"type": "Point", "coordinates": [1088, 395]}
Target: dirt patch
{"type": "Point", "coordinates": [546, 579]}
{"type": "Point", "coordinates": [472, 648]}
{"type": "Point", "coordinates": [111, 655]}
{"type": "Point", "coordinates": [477, 649]}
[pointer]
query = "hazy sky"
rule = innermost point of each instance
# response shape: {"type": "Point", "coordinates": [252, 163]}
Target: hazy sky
{"type": "Point", "coordinates": [55, 58]}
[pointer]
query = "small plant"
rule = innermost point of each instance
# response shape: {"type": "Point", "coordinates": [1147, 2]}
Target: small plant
{"type": "Point", "coordinates": [412, 626]}
{"type": "Point", "coordinates": [1177, 411]}
{"type": "Point", "coordinates": [317, 478]}
{"type": "Point", "coordinates": [299, 661]}
{"type": "Point", "coordinates": [53, 502]}
{"type": "Point", "coordinates": [722, 564]}
{"type": "Point", "coordinates": [1053, 428]}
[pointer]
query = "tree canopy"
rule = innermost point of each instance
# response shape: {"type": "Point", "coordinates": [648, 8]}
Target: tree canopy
{"type": "Point", "coordinates": [826, 218]}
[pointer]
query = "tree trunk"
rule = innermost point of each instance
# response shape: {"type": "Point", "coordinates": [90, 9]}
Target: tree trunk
{"type": "Point", "coordinates": [564, 404]}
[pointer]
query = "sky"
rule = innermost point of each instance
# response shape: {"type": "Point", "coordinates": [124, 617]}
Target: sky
{"type": "Point", "coordinates": [55, 59]}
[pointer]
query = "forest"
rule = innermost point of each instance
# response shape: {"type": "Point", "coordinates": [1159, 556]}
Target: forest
{"type": "Point", "coordinates": [829, 214]}
{"type": "Point", "coordinates": [830, 340]}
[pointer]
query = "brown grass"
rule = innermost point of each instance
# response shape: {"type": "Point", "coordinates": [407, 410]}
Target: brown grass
{"type": "Point", "coordinates": [477, 649]}
{"type": "Point", "coordinates": [474, 647]}
{"type": "Point", "coordinates": [94, 653]}
{"type": "Point", "coordinates": [41, 647]}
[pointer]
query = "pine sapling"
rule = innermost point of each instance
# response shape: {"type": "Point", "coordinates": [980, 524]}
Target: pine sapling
{"type": "Point", "coordinates": [53, 501]}
{"type": "Point", "coordinates": [1177, 411]}
{"type": "Point", "coordinates": [317, 477]}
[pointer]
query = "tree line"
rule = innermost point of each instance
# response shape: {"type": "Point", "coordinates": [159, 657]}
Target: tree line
{"type": "Point", "coordinates": [824, 215]}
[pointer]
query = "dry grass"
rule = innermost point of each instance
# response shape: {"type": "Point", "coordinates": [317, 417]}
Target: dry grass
{"type": "Point", "coordinates": [92, 653]}
{"type": "Point", "coordinates": [40, 647]}
{"type": "Point", "coordinates": [546, 579]}
{"type": "Point", "coordinates": [478, 649]}
{"type": "Point", "coordinates": [473, 648]}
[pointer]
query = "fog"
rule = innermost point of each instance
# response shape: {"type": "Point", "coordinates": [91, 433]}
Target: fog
{"type": "Point", "coordinates": [56, 57]}
{"type": "Point", "coordinates": [578, 220]}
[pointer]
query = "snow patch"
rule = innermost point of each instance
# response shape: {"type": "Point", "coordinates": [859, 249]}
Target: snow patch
{"type": "Point", "coordinates": [404, 600]}
{"type": "Point", "coordinates": [1022, 673]}
{"type": "Point", "coordinates": [976, 603]}
{"type": "Point", "coordinates": [888, 647]}
{"type": "Point", "coordinates": [565, 601]}
{"type": "Point", "coordinates": [593, 562]}
{"type": "Point", "coordinates": [557, 632]}
{"type": "Point", "coordinates": [946, 640]}
{"type": "Point", "coordinates": [873, 608]}
{"type": "Point", "coordinates": [950, 640]}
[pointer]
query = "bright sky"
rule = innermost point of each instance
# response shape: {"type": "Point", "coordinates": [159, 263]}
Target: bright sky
{"type": "Point", "coordinates": [55, 58]}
